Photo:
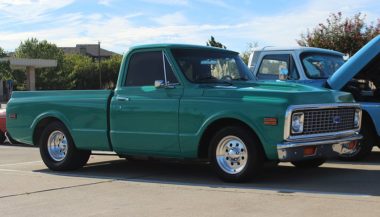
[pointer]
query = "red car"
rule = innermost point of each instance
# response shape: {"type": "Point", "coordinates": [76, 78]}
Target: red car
{"type": "Point", "coordinates": [2, 125]}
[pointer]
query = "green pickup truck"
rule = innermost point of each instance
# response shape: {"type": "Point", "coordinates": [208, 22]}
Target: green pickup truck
{"type": "Point", "coordinates": [188, 102]}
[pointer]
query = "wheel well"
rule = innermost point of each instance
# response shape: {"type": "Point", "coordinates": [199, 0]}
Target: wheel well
{"type": "Point", "coordinates": [204, 144]}
{"type": "Point", "coordinates": [366, 119]}
{"type": "Point", "coordinates": [40, 126]}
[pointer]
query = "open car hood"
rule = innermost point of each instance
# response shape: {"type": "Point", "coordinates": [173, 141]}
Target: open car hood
{"type": "Point", "coordinates": [363, 64]}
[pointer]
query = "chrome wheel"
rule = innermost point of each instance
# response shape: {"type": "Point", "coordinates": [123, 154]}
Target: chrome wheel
{"type": "Point", "coordinates": [57, 145]}
{"type": "Point", "coordinates": [231, 154]}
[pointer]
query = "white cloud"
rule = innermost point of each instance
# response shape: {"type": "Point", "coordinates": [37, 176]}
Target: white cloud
{"type": "Point", "coordinates": [30, 10]}
{"type": "Point", "coordinates": [168, 2]}
{"type": "Point", "coordinates": [283, 29]}
{"type": "Point", "coordinates": [105, 2]}
{"type": "Point", "coordinates": [218, 3]}
{"type": "Point", "coordinates": [176, 18]}
{"type": "Point", "coordinates": [119, 32]}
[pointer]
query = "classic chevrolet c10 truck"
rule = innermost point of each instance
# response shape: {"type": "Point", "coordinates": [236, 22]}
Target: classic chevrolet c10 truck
{"type": "Point", "coordinates": [326, 68]}
{"type": "Point", "coordinates": [188, 102]}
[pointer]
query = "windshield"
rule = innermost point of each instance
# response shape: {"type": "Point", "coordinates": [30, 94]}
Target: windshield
{"type": "Point", "coordinates": [211, 66]}
{"type": "Point", "coordinates": [320, 66]}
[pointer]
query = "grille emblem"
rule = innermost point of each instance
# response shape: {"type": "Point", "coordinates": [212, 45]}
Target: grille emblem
{"type": "Point", "coordinates": [337, 119]}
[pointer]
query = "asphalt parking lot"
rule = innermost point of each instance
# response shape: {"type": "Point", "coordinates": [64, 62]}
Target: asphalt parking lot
{"type": "Point", "coordinates": [110, 186]}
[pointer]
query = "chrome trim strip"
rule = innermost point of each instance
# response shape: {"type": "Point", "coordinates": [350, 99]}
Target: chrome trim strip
{"type": "Point", "coordinates": [294, 108]}
{"type": "Point", "coordinates": [286, 145]}
{"type": "Point", "coordinates": [320, 136]}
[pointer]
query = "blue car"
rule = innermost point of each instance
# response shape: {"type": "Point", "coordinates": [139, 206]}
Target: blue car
{"type": "Point", "coordinates": [359, 75]}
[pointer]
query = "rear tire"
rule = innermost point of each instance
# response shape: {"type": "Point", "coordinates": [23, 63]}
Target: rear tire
{"type": "Point", "coordinates": [236, 154]}
{"type": "Point", "coordinates": [2, 137]}
{"type": "Point", "coordinates": [310, 163]}
{"type": "Point", "coordinates": [58, 150]}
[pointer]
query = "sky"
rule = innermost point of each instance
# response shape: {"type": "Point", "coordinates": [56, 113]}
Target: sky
{"type": "Point", "coordinates": [119, 24]}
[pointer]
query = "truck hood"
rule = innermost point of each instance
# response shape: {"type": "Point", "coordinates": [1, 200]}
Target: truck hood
{"type": "Point", "coordinates": [360, 65]}
{"type": "Point", "coordinates": [286, 92]}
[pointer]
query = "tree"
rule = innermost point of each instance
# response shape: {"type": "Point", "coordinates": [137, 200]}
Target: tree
{"type": "Point", "coordinates": [47, 78]}
{"type": "Point", "coordinates": [5, 71]}
{"type": "Point", "coordinates": [213, 43]}
{"type": "Point", "coordinates": [346, 35]}
{"type": "Point", "coordinates": [110, 71]}
{"type": "Point", "coordinates": [250, 48]}
{"type": "Point", "coordinates": [82, 72]}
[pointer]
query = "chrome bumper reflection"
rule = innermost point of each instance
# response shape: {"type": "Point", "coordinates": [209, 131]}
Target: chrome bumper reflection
{"type": "Point", "coordinates": [292, 151]}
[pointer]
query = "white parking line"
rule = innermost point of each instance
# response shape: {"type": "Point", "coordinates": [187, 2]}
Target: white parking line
{"type": "Point", "coordinates": [21, 163]}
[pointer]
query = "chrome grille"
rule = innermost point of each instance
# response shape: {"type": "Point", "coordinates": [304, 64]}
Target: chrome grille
{"type": "Point", "coordinates": [328, 120]}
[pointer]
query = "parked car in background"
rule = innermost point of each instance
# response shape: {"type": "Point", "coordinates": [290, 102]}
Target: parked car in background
{"type": "Point", "coordinates": [2, 125]}
{"type": "Point", "coordinates": [188, 102]}
{"type": "Point", "coordinates": [360, 75]}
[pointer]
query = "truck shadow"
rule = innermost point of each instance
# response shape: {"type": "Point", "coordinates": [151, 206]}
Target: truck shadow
{"type": "Point", "coordinates": [330, 179]}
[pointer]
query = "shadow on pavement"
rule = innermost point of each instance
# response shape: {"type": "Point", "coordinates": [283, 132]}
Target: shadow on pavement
{"type": "Point", "coordinates": [283, 178]}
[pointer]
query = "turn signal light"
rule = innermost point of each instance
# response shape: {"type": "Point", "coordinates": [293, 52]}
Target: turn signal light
{"type": "Point", "coordinates": [309, 151]}
{"type": "Point", "coordinates": [352, 144]}
{"type": "Point", "coordinates": [270, 121]}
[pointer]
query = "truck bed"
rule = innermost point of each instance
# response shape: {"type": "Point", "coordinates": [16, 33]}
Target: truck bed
{"type": "Point", "coordinates": [84, 113]}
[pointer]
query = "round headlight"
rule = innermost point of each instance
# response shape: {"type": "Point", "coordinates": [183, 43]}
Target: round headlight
{"type": "Point", "coordinates": [297, 122]}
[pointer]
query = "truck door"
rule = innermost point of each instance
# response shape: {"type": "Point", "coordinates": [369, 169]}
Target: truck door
{"type": "Point", "coordinates": [144, 118]}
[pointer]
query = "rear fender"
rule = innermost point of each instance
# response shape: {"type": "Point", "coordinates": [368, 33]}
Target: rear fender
{"type": "Point", "coordinates": [51, 114]}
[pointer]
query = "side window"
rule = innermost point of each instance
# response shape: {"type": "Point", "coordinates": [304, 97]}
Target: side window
{"type": "Point", "coordinates": [271, 65]}
{"type": "Point", "coordinates": [146, 67]}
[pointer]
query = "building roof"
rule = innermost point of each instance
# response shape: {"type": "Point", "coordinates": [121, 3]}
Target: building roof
{"type": "Point", "coordinates": [88, 49]}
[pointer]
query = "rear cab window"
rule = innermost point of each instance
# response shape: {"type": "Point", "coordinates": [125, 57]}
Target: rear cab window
{"type": "Point", "coordinates": [271, 65]}
{"type": "Point", "coordinates": [145, 67]}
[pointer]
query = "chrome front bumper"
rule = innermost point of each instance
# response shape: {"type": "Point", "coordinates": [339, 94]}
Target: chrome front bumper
{"type": "Point", "coordinates": [294, 150]}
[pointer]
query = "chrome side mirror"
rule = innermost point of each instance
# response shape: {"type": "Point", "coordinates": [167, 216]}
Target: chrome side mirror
{"type": "Point", "coordinates": [159, 83]}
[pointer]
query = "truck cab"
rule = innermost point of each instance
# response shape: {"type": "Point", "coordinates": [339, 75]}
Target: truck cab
{"type": "Point", "coordinates": [300, 64]}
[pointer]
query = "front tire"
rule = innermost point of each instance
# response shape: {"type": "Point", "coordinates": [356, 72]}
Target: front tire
{"type": "Point", "coordinates": [236, 154]}
{"type": "Point", "coordinates": [310, 163]}
{"type": "Point", "coordinates": [364, 147]}
{"type": "Point", "coordinates": [58, 150]}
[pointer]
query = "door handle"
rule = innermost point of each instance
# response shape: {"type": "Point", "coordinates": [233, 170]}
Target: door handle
{"type": "Point", "coordinates": [122, 99]}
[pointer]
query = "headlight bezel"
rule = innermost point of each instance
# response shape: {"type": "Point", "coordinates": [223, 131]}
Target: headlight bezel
{"type": "Point", "coordinates": [297, 123]}
{"type": "Point", "coordinates": [357, 118]}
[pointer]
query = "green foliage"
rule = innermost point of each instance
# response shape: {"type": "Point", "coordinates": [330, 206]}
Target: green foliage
{"type": "Point", "coordinates": [32, 48]}
{"type": "Point", "coordinates": [73, 71]}
{"type": "Point", "coordinates": [245, 54]}
{"type": "Point", "coordinates": [346, 35]}
{"type": "Point", "coordinates": [83, 72]}
{"type": "Point", "coordinates": [46, 78]}
{"type": "Point", "coordinates": [2, 53]}
{"type": "Point", "coordinates": [5, 71]}
{"type": "Point", "coordinates": [110, 71]}
{"type": "Point", "coordinates": [213, 43]}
